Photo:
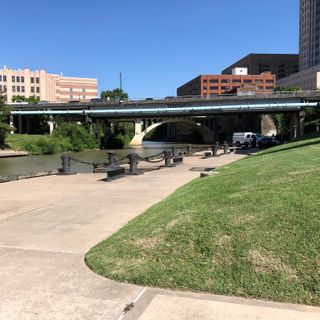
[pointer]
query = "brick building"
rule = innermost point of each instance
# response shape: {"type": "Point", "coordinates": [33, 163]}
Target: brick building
{"type": "Point", "coordinates": [211, 85]}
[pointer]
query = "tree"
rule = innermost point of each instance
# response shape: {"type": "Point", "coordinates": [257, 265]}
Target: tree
{"type": "Point", "coordinates": [4, 126]}
{"type": "Point", "coordinates": [287, 89]}
{"type": "Point", "coordinates": [31, 99]}
{"type": "Point", "coordinates": [114, 95]}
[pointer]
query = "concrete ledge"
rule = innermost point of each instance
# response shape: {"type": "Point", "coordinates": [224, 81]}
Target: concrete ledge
{"type": "Point", "coordinates": [27, 176]}
{"type": "Point", "coordinates": [12, 153]}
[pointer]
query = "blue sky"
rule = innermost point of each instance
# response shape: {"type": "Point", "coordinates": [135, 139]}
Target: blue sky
{"type": "Point", "coordinates": [157, 45]}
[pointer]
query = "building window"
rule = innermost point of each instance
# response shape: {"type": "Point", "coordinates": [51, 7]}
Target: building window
{"type": "Point", "coordinates": [32, 89]}
{"type": "Point", "coordinates": [205, 80]}
{"type": "Point", "coordinates": [83, 97]}
{"type": "Point", "coordinates": [225, 88]}
{"type": "Point", "coordinates": [0, 77]}
{"type": "Point", "coordinates": [236, 81]}
{"type": "Point", "coordinates": [214, 87]}
{"type": "Point", "coordinates": [4, 78]}
{"type": "Point", "coordinates": [13, 88]}
{"type": "Point", "coordinates": [83, 90]}
{"type": "Point", "coordinates": [18, 88]}
{"type": "Point", "coordinates": [259, 81]}
{"type": "Point", "coordinates": [32, 79]}
{"type": "Point", "coordinates": [22, 89]}
{"type": "Point", "coordinates": [205, 88]}
{"type": "Point", "coordinates": [71, 97]}
{"type": "Point", "coordinates": [269, 88]}
{"type": "Point", "coordinates": [247, 81]}
{"type": "Point", "coordinates": [13, 79]}
{"type": "Point", "coordinates": [18, 79]}
{"type": "Point", "coordinates": [71, 90]}
{"type": "Point", "coordinates": [38, 90]}
{"type": "Point", "coordinates": [22, 79]}
{"type": "Point", "coordinates": [37, 80]}
{"type": "Point", "coordinates": [225, 80]}
{"type": "Point", "coordinates": [269, 81]}
{"type": "Point", "coordinates": [213, 80]}
{"type": "Point", "coordinates": [260, 88]}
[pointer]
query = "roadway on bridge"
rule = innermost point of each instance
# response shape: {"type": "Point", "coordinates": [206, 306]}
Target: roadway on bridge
{"type": "Point", "coordinates": [48, 224]}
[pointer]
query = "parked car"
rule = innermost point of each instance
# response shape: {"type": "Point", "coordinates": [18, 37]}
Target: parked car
{"type": "Point", "coordinates": [74, 101]}
{"type": "Point", "coordinates": [149, 99]}
{"type": "Point", "coordinates": [267, 142]}
{"type": "Point", "coordinates": [96, 100]}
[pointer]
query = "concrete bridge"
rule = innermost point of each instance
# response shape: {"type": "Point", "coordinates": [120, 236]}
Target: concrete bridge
{"type": "Point", "coordinates": [195, 111]}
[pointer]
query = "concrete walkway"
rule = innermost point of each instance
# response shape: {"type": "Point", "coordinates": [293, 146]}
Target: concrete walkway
{"type": "Point", "coordinates": [48, 224]}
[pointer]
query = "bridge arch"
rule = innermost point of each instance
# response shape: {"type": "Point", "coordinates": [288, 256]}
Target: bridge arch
{"type": "Point", "coordinates": [205, 132]}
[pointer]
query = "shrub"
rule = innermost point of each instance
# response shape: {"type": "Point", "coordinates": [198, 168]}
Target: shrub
{"type": "Point", "coordinates": [75, 137]}
{"type": "Point", "coordinates": [43, 145]}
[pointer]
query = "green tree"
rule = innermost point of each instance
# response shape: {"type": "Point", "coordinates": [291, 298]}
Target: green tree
{"type": "Point", "coordinates": [31, 99]}
{"type": "Point", "coordinates": [114, 95]}
{"type": "Point", "coordinates": [287, 89]}
{"type": "Point", "coordinates": [4, 126]}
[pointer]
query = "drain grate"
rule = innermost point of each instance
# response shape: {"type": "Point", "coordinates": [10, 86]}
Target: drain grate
{"type": "Point", "coordinates": [206, 169]}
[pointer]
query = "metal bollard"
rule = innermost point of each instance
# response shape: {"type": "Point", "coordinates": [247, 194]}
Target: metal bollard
{"type": "Point", "coordinates": [65, 163]}
{"type": "Point", "coordinates": [173, 151]}
{"type": "Point", "coordinates": [111, 157]}
{"type": "Point", "coordinates": [189, 149]}
{"type": "Point", "coordinates": [168, 159]}
{"type": "Point", "coordinates": [225, 147]}
{"type": "Point", "coordinates": [215, 149]}
{"type": "Point", "coordinates": [65, 170]}
{"type": "Point", "coordinates": [133, 162]}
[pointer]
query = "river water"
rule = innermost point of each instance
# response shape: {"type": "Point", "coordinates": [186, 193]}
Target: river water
{"type": "Point", "coordinates": [41, 163]}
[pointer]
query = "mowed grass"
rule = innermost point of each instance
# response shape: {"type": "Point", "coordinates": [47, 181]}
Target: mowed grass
{"type": "Point", "coordinates": [251, 230]}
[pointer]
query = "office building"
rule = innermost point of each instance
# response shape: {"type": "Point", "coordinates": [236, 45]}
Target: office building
{"type": "Point", "coordinates": [46, 86]}
{"type": "Point", "coordinates": [211, 85]}
{"type": "Point", "coordinates": [281, 65]}
{"type": "Point", "coordinates": [308, 78]}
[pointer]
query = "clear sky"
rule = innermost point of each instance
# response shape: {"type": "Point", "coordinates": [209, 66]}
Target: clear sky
{"type": "Point", "coordinates": [157, 44]}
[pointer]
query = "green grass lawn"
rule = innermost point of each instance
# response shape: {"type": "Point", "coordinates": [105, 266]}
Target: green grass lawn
{"type": "Point", "coordinates": [252, 230]}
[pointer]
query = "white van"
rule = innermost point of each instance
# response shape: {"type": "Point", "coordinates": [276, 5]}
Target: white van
{"type": "Point", "coordinates": [244, 138]}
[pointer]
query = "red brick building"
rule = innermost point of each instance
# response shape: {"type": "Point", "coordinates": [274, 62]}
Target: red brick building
{"type": "Point", "coordinates": [211, 85]}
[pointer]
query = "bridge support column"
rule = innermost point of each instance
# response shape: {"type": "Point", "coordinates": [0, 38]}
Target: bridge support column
{"type": "Point", "coordinates": [302, 116]}
{"type": "Point", "coordinates": [98, 131]}
{"type": "Point", "coordinates": [20, 123]}
{"type": "Point", "coordinates": [51, 125]}
{"type": "Point", "coordinates": [294, 126]}
{"type": "Point", "coordinates": [11, 124]}
{"type": "Point", "coordinates": [137, 126]}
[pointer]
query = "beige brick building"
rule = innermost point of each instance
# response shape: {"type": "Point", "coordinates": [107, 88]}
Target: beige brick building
{"type": "Point", "coordinates": [46, 86]}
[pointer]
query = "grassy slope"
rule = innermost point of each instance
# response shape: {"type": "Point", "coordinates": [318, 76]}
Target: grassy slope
{"type": "Point", "coordinates": [251, 230]}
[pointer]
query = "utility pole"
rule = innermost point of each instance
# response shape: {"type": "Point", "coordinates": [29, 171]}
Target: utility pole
{"type": "Point", "coordinates": [121, 81]}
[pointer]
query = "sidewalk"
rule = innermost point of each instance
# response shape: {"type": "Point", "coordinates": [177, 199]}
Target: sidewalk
{"type": "Point", "coordinates": [48, 224]}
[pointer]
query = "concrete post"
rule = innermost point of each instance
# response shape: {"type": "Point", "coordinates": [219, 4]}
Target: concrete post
{"type": "Point", "coordinates": [11, 124]}
{"type": "Point", "coordinates": [302, 116]}
{"type": "Point", "coordinates": [50, 123]}
{"type": "Point", "coordinates": [189, 149]}
{"type": "Point", "coordinates": [65, 164]}
{"type": "Point", "coordinates": [173, 151]}
{"type": "Point", "coordinates": [317, 127]}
